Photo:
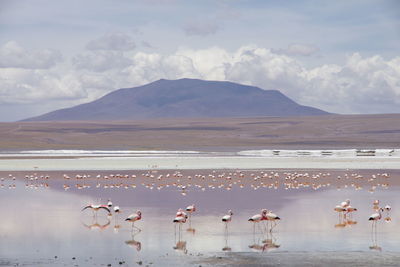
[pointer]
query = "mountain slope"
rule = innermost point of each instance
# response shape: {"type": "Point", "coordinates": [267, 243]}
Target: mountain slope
{"type": "Point", "coordinates": [183, 98]}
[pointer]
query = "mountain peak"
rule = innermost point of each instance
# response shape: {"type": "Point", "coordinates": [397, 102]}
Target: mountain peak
{"type": "Point", "coordinates": [184, 98]}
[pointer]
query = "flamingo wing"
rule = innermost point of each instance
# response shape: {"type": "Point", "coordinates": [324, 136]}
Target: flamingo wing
{"type": "Point", "coordinates": [107, 209]}
{"type": "Point", "coordinates": [87, 207]}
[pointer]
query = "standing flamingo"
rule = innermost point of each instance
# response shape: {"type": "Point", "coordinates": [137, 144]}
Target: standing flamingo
{"type": "Point", "coordinates": [133, 218]}
{"type": "Point", "coordinates": [376, 217]}
{"type": "Point", "coordinates": [257, 218]}
{"type": "Point", "coordinates": [272, 217]}
{"type": "Point", "coordinates": [190, 209]}
{"type": "Point", "coordinates": [179, 219]}
{"type": "Point", "coordinates": [226, 219]}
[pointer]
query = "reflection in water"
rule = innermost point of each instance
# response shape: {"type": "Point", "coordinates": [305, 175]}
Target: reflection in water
{"type": "Point", "coordinates": [270, 242]}
{"type": "Point", "coordinates": [180, 245]}
{"type": "Point", "coordinates": [264, 242]}
{"type": "Point", "coordinates": [345, 212]}
{"type": "Point", "coordinates": [134, 243]}
{"type": "Point", "coordinates": [96, 225]}
{"type": "Point", "coordinates": [374, 237]}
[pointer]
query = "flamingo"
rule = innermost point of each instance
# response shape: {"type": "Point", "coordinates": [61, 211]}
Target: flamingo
{"type": "Point", "coordinates": [376, 217]}
{"type": "Point", "coordinates": [109, 203]}
{"type": "Point", "coordinates": [272, 217]}
{"type": "Point", "coordinates": [181, 213]}
{"type": "Point", "coordinates": [133, 218]}
{"type": "Point", "coordinates": [227, 218]}
{"type": "Point", "coordinates": [350, 210]}
{"type": "Point", "coordinates": [95, 208]}
{"type": "Point", "coordinates": [257, 218]}
{"type": "Point", "coordinates": [116, 209]}
{"type": "Point", "coordinates": [345, 203]}
{"type": "Point", "coordinates": [190, 209]}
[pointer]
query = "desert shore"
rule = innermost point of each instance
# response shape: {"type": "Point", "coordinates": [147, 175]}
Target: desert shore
{"type": "Point", "coordinates": [203, 162]}
{"type": "Point", "coordinates": [283, 258]}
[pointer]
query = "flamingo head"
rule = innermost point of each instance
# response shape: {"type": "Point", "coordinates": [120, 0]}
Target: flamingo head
{"type": "Point", "coordinates": [230, 212]}
{"type": "Point", "coordinates": [139, 212]}
{"type": "Point", "coordinates": [264, 211]}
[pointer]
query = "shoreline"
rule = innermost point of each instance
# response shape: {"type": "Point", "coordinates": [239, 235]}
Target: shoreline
{"type": "Point", "coordinates": [198, 162]}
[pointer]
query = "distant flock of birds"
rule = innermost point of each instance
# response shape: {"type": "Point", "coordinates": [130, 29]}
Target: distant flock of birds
{"type": "Point", "coordinates": [345, 211]}
{"type": "Point", "coordinates": [202, 181]}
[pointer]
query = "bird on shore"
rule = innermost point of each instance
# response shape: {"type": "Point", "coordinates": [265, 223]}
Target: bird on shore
{"type": "Point", "coordinates": [96, 208]}
{"type": "Point", "coordinates": [133, 218]}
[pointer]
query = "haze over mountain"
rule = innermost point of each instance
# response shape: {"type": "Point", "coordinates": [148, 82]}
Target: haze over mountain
{"type": "Point", "coordinates": [183, 98]}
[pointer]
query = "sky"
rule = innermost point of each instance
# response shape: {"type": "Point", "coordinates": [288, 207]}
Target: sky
{"type": "Point", "coordinates": [341, 56]}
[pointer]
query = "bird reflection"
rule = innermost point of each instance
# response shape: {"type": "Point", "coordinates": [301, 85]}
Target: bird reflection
{"type": "Point", "coordinates": [374, 237]}
{"type": "Point", "coordinates": [180, 245]}
{"type": "Point", "coordinates": [134, 243]}
{"type": "Point", "coordinates": [270, 242]}
{"type": "Point", "coordinates": [96, 225]}
{"type": "Point", "coordinates": [264, 242]}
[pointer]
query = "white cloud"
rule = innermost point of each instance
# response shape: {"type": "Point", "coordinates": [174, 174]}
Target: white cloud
{"type": "Point", "coordinates": [359, 85]}
{"type": "Point", "coordinates": [99, 61]}
{"type": "Point", "coordinates": [367, 85]}
{"type": "Point", "coordinates": [12, 55]}
{"type": "Point", "coordinates": [112, 41]}
{"type": "Point", "coordinates": [28, 86]}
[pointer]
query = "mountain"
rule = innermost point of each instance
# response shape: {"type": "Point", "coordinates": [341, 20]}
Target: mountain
{"type": "Point", "coordinates": [183, 98]}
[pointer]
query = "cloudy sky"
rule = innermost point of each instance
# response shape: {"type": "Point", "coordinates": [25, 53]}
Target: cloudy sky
{"type": "Point", "coordinates": [340, 56]}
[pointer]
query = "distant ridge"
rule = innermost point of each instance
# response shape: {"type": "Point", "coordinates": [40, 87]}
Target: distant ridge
{"type": "Point", "coordinates": [183, 98]}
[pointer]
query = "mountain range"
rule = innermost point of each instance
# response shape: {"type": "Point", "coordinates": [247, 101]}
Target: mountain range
{"type": "Point", "coordinates": [183, 98]}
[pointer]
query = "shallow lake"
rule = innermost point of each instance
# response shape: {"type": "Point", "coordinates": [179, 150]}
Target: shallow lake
{"type": "Point", "coordinates": [46, 225]}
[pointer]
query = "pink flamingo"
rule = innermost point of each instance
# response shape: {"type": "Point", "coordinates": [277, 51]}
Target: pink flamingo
{"type": "Point", "coordinates": [257, 218]}
{"type": "Point", "coordinates": [133, 218]}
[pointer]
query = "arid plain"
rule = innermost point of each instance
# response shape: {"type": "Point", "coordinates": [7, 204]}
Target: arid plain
{"type": "Point", "coordinates": [227, 134]}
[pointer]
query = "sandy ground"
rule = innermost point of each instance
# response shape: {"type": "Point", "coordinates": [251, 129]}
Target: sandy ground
{"type": "Point", "coordinates": [227, 134]}
{"type": "Point", "coordinates": [282, 258]}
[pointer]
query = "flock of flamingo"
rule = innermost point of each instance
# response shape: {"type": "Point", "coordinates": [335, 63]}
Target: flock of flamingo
{"type": "Point", "coordinates": [182, 216]}
{"type": "Point", "coordinates": [228, 180]}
